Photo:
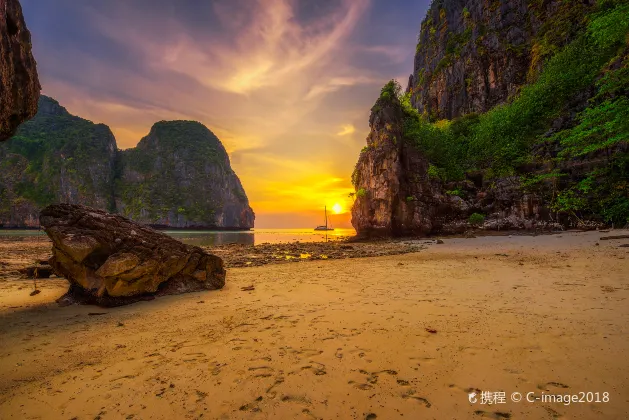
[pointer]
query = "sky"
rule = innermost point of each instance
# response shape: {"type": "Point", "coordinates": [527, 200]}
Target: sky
{"type": "Point", "coordinates": [286, 85]}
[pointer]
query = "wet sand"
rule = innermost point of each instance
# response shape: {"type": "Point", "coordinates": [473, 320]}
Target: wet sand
{"type": "Point", "coordinates": [397, 336]}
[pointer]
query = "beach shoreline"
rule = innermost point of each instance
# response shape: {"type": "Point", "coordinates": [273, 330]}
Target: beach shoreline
{"type": "Point", "coordinates": [391, 336]}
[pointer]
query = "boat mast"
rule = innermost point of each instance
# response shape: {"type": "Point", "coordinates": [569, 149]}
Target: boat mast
{"type": "Point", "coordinates": [325, 209]}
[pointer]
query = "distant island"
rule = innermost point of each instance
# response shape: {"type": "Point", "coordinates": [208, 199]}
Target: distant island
{"type": "Point", "coordinates": [178, 176]}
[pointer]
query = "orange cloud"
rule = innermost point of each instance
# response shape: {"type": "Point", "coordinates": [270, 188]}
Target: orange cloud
{"type": "Point", "coordinates": [272, 49]}
{"type": "Point", "coordinates": [346, 129]}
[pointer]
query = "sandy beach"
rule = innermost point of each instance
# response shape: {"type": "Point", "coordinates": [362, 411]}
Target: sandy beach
{"type": "Point", "coordinates": [385, 337]}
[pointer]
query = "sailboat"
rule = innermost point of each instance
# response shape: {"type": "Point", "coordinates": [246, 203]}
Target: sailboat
{"type": "Point", "coordinates": [324, 227]}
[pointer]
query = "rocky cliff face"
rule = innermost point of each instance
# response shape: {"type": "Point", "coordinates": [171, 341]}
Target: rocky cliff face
{"type": "Point", "coordinates": [515, 118]}
{"type": "Point", "coordinates": [389, 178]}
{"type": "Point", "coordinates": [178, 176]}
{"type": "Point", "coordinates": [398, 192]}
{"type": "Point", "coordinates": [474, 54]}
{"type": "Point", "coordinates": [19, 85]}
{"type": "Point", "coordinates": [55, 158]}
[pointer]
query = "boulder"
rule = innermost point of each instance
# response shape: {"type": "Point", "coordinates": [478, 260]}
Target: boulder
{"type": "Point", "coordinates": [19, 84]}
{"type": "Point", "coordinates": [110, 260]}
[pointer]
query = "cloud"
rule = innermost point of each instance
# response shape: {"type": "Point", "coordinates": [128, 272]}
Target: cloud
{"type": "Point", "coordinates": [396, 53]}
{"type": "Point", "coordinates": [285, 84]}
{"type": "Point", "coordinates": [346, 129]}
{"type": "Point", "coordinates": [268, 45]}
{"type": "Point", "coordinates": [334, 84]}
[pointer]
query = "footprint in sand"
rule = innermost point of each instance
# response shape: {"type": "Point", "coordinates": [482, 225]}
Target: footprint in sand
{"type": "Point", "coordinates": [497, 415]}
{"type": "Point", "coordinates": [359, 352]}
{"type": "Point", "coordinates": [305, 352]}
{"type": "Point", "coordinates": [252, 406]}
{"type": "Point", "coordinates": [372, 379]}
{"type": "Point", "coordinates": [546, 387]}
{"type": "Point", "coordinates": [472, 351]}
{"type": "Point", "coordinates": [308, 413]}
{"type": "Point", "coordinates": [217, 368]}
{"type": "Point", "coordinates": [423, 360]}
{"type": "Point", "coordinates": [362, 387]}
{"type": "Point", "coordinates": [411, 394]}
{"type": "Point", "coordinates": [338, 354]}
{"type": "Point", "coordinates": [271, 390]}
{"type": "Point", "coordinates": [316, 368]}
{"type": "Point", "coordinates": [241, 348]}
{"type": "Point", "coordinates": [200, 395]}
{"type": "Point", "coordinates": [302, 399]}
{"type": "Point", "coordinates": [265, 358]}
{"type": "Point", "coordinates": [178, 346]}
{"type": "Point", "coordinates": [262, 371]}
{"type": "Point", "coordinates": [554, 414]}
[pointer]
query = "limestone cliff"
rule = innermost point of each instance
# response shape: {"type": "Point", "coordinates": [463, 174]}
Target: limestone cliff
{"type": "Point", "coordinates": [474, 54]}
{"type": "Point", "coordinates": [389, 178]}
{"type": "Point", "coordinates": [19, 85]}
{"type": "Point", "coordinates": [399, 192]}
{"type": "Point", "coordinates": [179, 176]}
{"type": "Point", "coordinates": [55, 157]}
{"type": "Point", "coordinates": [516, 117]}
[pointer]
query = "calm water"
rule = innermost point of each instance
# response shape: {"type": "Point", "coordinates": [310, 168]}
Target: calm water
{"type": "Point", "coordinates": [209, 238]}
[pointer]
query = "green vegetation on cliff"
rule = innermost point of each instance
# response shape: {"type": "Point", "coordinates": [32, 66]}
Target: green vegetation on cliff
{"type": "Point", "coordinates": [565, 134]}
{"type": "Point", "coordinates": [158, 175]}
{"type": "Point", "coordinates": [178, 175]}
{"type": "Point", "coordinates": [57, 157]}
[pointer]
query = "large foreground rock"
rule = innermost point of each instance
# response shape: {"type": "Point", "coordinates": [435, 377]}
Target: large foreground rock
{"type": "Point", "coordinates": [19, 84]}
{"type": "Point", "coordinates": [110, 260]}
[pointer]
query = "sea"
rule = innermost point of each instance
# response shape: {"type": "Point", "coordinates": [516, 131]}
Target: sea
{"type": "Point", "coordinates": [214, 238]}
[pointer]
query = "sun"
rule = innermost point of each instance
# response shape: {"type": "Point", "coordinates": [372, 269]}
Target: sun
{"type": "Point", "coordinates": [337, 208]}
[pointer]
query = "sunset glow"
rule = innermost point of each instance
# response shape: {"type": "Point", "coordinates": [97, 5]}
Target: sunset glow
{"type": "Point", "coordinates": [286, 85]}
